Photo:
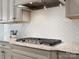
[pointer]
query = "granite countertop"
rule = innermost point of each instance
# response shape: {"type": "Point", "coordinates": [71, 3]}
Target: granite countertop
{"type": "Point", "coordinates": [66, 47]}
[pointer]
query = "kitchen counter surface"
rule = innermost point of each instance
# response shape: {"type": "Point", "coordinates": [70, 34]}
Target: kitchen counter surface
{"type": "Point", "coordinates": [65, 47]}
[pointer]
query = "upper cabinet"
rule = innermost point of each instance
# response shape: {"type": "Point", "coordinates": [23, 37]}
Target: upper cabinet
{"type": "Point", "coordinates": [5, 10]}
{"type": "Point", "coordinates": [10, 13]}
{"type": "Point", "coordinates": [0, 10]}
{"type": "Point", "coordinates": [20, 56]}
{"type": "Point", "coordinates": [72, 9]}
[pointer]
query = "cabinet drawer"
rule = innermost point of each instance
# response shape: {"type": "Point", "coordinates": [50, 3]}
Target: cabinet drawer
{"type": "Point", "coordinates": [72, 9]}
{"type": "Point", "coordinates": [20, 56]}
{"type": "Point", "coordinates": [65, 55]}
{"type": "Point", "coordinates": [36, 53]}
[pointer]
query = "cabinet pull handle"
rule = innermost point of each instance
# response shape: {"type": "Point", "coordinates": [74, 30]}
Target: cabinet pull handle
{"type": "Point", "coordinates": [2, 51]}
{"type": "Point", "coordinates": [3, 54]}
{"type": "Point", "coordinates": [14, 11]}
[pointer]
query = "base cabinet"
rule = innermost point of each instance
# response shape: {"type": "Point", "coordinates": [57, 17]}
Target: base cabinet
{"type": "Point", "coordinates": [1, 57]}
{"type": "Point", "coordinates": [64, 55]}
{"type": "Point", "coordinates": [31, 53]}
{"type": "Point", "coordinates": [19, 56]}
{"type": "Point", "coordinates": [5, 54]}
{"type": "Point", "coordinates": [20, 52]}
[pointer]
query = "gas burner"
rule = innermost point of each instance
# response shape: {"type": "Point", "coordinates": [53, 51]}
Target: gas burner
{"type": "Point", "coordinates": [41, 41]}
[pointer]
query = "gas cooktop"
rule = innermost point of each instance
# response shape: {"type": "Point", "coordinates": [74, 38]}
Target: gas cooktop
{"type": "Point", "coordinates": [41, 41]}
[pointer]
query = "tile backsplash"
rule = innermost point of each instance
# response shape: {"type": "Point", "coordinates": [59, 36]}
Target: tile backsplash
{"type": "Point", "coordinates": [50, 23]}
{"type": "Point", "coordinates": [9, 27]}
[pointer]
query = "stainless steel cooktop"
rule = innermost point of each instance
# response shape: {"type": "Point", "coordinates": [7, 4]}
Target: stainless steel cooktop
{"type": "Point", "coordinates": [41, 41]}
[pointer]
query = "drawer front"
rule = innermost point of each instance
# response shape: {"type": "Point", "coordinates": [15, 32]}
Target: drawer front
{"type": "Point", "coordinates": [35, 53]}
{"type": "Point", "coordinates": [20, 56]}
{"type": "Point", "coordinates": [63, 55]}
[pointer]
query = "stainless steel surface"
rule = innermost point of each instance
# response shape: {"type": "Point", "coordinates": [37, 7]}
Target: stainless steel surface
{"type": "Point", "coordinates": [12, 22]}
{"type": "Point", "coordinates": [35, 5]}
{"type": "Point", "coordinates": [41, 41]}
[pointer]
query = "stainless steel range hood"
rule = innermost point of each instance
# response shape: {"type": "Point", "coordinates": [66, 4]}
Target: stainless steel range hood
{"type": "Point", "coordinates": [39, 4]}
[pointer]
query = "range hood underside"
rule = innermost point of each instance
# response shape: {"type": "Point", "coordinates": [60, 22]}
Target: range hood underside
{"type": "Point", "coordinates": [40, 5]}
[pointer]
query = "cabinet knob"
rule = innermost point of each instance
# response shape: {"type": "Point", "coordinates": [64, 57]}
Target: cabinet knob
{"type": "Point", "coordinates": [14, 18]}
{"type": "Point", "coordinates": [3, 51]}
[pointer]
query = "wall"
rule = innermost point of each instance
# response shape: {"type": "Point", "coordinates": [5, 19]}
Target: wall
{"type": "Point", "coordinates": [52, 23]}
{"type": "Point", "coordinates": [9, 27]}
{"type": "Point", "coordinates": [21, 28]}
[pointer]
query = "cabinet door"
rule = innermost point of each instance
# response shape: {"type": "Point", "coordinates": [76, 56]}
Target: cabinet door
{"type": "Point", "coordinates": [18, 12]}
{"type": "Point", "coordinates": [1, 53]}
{"type": "Point", "coordinates": [26, 15]}
{"type": "Point", "coordinates": [7, 54]}
{"type": "Point", "coordinates": [72, 8]}
{"type": "Point", "coordinates": [33, 53]}
{"type": "Point", "coordinates": [22, 15]}
{"type": "Point", "coordinates": [0, 10]}
{"type": "Point", "coordinates": [63, 55]}
{"type": "Point", "coordinates": [5, 8]}
{"type": "Point", "coordinates": [20, 56]}
{"type": "Point", "coordinates": [11, 12]}
{"type": "Point", "coordinates": [15, 12]}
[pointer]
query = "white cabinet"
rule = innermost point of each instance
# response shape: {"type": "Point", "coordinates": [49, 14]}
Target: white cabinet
{"type": "Point", "coordinates": [64, 55]}
{"type": "Point", "coordinates": [30, 53]}
{"type": "Point", "coordinates": [22, 15]}
{"type": "Point", "coordinates": [5, 10]}
{"type": "Point", "coordinates": [26, 15]}
{"type": "Point", "coordinates": [9, 12]}
{"type": "Point", "coordinates": [20, 56]}
{"type": "Point", "coordinates": [72, 9]}
{"type": "Point", "coordinates": [16, 13]}
{"type": "Point", "coordinates": [20, 52]}
{"type": "Point", "coordinates": [17, 54]}
{"type": "Point", "coordinates": [1, 54]}
{"type": "Point", "coordinates": [0, 10]}
{"type": "Point", "coordinates": [7, 54]}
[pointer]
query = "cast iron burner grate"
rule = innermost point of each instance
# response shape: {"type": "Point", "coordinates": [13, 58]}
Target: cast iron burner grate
{"type": "Point", "coordinates": [44, 41]}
